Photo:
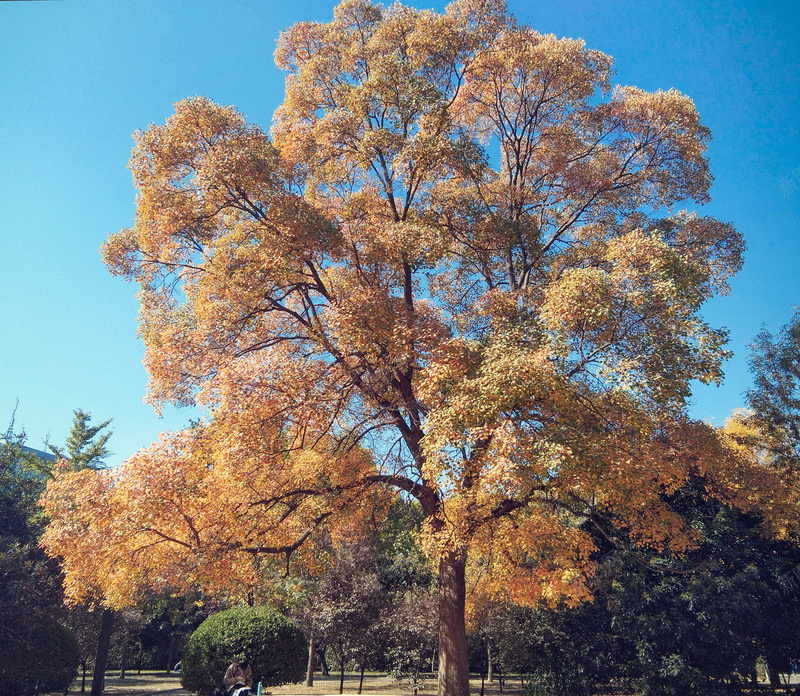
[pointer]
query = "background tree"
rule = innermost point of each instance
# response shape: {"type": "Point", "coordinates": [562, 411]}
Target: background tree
{"type": "Point", "coordinates": [85, 450]}
{"type": "Point", "coordinates": [84, 622]}
{"type": "Point", "coordinates": [564, 650]}
{"type": "Point", "coordinates": [128, 626]}
{"type": "Point", "coordinates": [659, 626]}
{"type": "Point", "coordinates": [32, 619]}
{"type": "Point", "coordinates": [349, 606]}
{"type": "Point", "coordinates": [272, 644]}
{"type": "Point", "coordinates": [371, 569]}
{"type": "Point", "coordinates": [402, 563]}
{"type": "Point", "coordinates": [774, 398]}
{"type": "Point", "coordinates": [412, 632]}
{"type": "Point", "coordinates": [85, 447]}
{"type": "Point", "coordinates": [409, 629]}
{"type": "Point", "coordinates": [375, 297]}
{"type": "Point", "coordinates": [170, 618]}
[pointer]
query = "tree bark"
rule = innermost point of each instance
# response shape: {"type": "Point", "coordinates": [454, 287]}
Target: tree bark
{"type": "Point", "coordinates": [774, 676]}
{"type": "Point", "coordinates": [310, 668]}
{"type": "Point", "coordinates": [490, 669]}
{"type": "Point", "coordinates": [326, 672]}
{"type": "Point", "coordinates": [103, 645]}
{"type": "Point", "coordinates": [171, 653]}
{"type": "Point", "coordinates": [453, 662]}
{"type": "Point", "coordinates": [123, 667]}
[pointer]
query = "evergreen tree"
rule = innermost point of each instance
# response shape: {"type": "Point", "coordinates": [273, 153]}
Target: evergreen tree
{"type": "Point", "coordinates": [86, 445]}
{"type": "Point", "coordinates": [30, 583]}
{"type": "Point", "coordinates": [774, 398]}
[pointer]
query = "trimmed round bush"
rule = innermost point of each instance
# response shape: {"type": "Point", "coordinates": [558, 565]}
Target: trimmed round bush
{"type": "Point", "coordinates": [37, 658]}
{"type": "Point", "coordinates": [273, 645]}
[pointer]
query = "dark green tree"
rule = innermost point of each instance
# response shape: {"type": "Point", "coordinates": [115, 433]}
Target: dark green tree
{"type": "Point", "coordinates": [774, 398]}
{"type": "Point", "coordinates": [694, 626]}
{"type": "Point", "coordinates": [273, 645]}
{"type": "Point", "coordinates": [169, 621]}
{"type": "Point", "coordinates": [86, 446]}
{"type": "Point", "coordinates": [31, 598]}
{"type": "Point", "coordinates": [401, 561]}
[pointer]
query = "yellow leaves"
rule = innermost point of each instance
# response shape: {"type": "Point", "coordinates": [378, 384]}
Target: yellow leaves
{"type": "Point", "coordinates": [205, 168]}
{"type": "Point", "coordinates": [741, 433]}
{"type": "Point", "coordinates": [514, 343]}
{"type": "Point", "coordinates": [712, 249]}
{"type": "Point", "coordinates": [366, 97]}
{"type": "Point", "coordinates": [527, 82]}
{"type": "Point", "coordinates": [541, 557]}
{"type": "Point", "coordinates": [665, 130]}
{"type": "Point", "coordinates": [201, 150]}
{"type": "Point", "coordinates": [582, 297]}
{"type": "Point", "coordinates": [628, 304]}
{"type": "Point", "coordinates": [193, 509]}
{"type": "Point", "coordinates": [298, 44]}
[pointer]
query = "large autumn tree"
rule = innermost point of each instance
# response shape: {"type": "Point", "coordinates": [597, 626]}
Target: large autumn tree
{"type": "Point", "coordinates": [454, 268]}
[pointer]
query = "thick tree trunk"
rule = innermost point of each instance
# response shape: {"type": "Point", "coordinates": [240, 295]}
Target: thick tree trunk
{"type": "Point", "coordinates": [490, 673]}
{"type": "Point", "coordinates": [103, 645]}
{"type": "Point", "coordinates": [310, 668]}
{"type": "Point", "coordinates": [453, 662]}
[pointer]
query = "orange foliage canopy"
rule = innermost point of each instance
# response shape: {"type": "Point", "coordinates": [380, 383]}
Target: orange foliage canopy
{"type": "Point", "coordinates": [453, 268]}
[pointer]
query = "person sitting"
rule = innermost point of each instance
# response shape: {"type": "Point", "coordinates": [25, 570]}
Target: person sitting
{"type": "Point", "coordinates": [238, 677]}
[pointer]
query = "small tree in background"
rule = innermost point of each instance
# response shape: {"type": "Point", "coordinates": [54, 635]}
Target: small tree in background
{"type": "Point", "coordinates": [774, 399]}
{"type": "Point", "coordinates": [170, 619]}
{"type": "Point", "coordinates": [273, 645]}
{"type": "Point", "coordinates": [412, 631]}
{"type": "Point", "coordinates": [86, 445]}
{"type": "Point", "coordinates": [350, 603]}
{"type": "Point", "coordinates": [84, 621]}
{"type": "Point", "coordinates": [86, 449]}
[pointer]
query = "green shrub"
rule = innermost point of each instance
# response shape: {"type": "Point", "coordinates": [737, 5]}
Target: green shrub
{"type": "Point", "coordinates": [37, 658]}
{"type": "Point", "coordinates": [273, 645]}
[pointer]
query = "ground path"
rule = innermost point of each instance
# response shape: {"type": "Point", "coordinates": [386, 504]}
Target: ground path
{"type": "Point", "coordinates": [151, 684]}
{"type": "Point", "coordinates": [160, 684]}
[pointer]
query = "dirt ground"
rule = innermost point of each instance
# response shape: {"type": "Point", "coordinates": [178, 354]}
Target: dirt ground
{"type": "Point", "coordinates": [170, 685]}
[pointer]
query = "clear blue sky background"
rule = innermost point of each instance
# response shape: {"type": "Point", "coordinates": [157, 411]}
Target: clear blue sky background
{"type": "Point", "coordinates": [77, 78]}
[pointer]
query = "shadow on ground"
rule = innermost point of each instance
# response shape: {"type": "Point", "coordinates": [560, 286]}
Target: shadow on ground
{"type": "Point", "coordinates": [170, 685]}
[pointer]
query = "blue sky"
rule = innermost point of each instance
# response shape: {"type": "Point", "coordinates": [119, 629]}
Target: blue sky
{"type": "Point", "coordinates": [77, 78]}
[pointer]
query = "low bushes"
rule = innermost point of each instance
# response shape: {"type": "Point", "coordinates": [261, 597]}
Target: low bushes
{"type": "Point", "coordinates": [272, 644]}
{"type": "Point", "coordinates": [37, 658]}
